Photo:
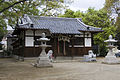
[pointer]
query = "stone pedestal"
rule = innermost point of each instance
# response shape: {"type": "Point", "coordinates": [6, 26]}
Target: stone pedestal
{"type": "Point", "coordinates": [43, 60]}
{"type": "Point", "coordinates": [111, 60]}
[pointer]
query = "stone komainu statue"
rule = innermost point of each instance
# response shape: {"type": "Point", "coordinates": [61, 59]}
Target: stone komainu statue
{"type": "Point", "coordinates": [50, 55]}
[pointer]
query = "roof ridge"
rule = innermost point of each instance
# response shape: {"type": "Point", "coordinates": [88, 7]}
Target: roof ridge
{"type": "Point", "coordinates": [52, 17]}
{"type": "Point", "coordinates": [81, 22]}
{"type": "Point", "coordinates": [87, 25]}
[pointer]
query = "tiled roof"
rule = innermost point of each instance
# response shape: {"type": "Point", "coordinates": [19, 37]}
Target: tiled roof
{"type": "Point", "coordinates": [59, 25]}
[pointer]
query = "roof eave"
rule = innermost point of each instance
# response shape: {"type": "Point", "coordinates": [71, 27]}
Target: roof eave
{"type": "Point", "coordinates": [91, 31]}
{"type": "Point", "coordinates": [67, 33]}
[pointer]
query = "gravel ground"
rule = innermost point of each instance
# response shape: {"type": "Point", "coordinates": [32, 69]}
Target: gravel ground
{"type": "Point", "coordinates": [70, 70]}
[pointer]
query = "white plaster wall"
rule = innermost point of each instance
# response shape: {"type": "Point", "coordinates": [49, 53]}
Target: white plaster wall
{"type": "Point", "coordinates": [29, 41]}
{"type": "Point", "coordinates": [88, 42]}
{"type": "Point", "coordinates": [29, 32]}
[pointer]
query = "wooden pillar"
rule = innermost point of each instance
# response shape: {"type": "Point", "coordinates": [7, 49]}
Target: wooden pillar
{"type": "Point", "coordinates": [58, 46]}
{"type": "Point", "coordinates": [19, 46]}
{"type": "Point", "coordinates": [72, 52]}
{"type": "Point", "coordinates": [24, 44]}
{"type": "Point", "coordinates": [55, 47]}
{"type": "Point", "coordinates": [64, 47]}
{"type": "Point", "coordinates": [92, 42]}
{"type": "Point", "coordinates": [34, 42]}
{"type": "Point", "coordinates": [84, 43]}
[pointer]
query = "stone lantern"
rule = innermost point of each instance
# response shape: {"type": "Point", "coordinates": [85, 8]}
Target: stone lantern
{"type": "Point", "coordinates": [43, 60]}
{"type": "Point", "coordinates": [110, 58]}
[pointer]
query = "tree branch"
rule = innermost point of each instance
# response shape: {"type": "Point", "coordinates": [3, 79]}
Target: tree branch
{"type": "Point", "coordinates": [12, 5]}
{"type": "Point", "coordinates": [1, 1]}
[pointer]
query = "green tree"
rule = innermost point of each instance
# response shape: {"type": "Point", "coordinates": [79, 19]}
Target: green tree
{"type": "Point", "coordinates": [52, 8]}
{"type": "Point", "coordinates": [12, 10]}
{"type": "Point", "coordinates": [30, 7]}
{"type": "Point", "coordinates": [108, 4]}
{"type": "Point", "coordinates": [2, 27]}
{"type": "Point", "coordinates": [14, 13]}
{"type": "Point", "coordinates": [102, 20]}
{"type": "Point", "coordinates": [78, 14]}
{"type": "Point", "coordinates": [71, 14]}
{"type": "Point", "coordinates": [113, 6]}
{"type": "Point", "coordinates": [68, 14]}
{"type": "Point", "coordinates": [4, 4]}
{"type": "Point", "coordinates": [96, 18]}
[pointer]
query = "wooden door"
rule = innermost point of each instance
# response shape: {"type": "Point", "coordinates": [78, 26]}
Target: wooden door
{"type": "Point", "coordinates": [64, 48]}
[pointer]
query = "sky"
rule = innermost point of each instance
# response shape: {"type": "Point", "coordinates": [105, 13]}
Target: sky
{"type": "Point", "coordinates": [83, 5]}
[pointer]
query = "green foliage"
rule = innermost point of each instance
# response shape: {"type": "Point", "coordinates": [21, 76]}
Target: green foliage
{"type": "Point", "coordinates": [97, 19]}
{"type": "Point", "coordinates": [112, 4]}
{"type": "Point", "coordinates": [2, 32]}
{"type": "Point", "coordinates": [71, 14]}
{"type": "Point", "coordinates": [117, 24]}
{"type": "Point", "coordinates": [14, 13]}
{"type": "Point", "coordinates": [30, 7]}
{"type": "Point", "coordinates": [101, 37]}
{"type": "Point", "coordinates": [100, 19]}
{"type": "Point", "coordinates": [108, 4]}
{"type": "Point", "coordinates": [79, 14]}
{"type": "Point", "coordinates": [68, 13]}
{"type": "Point", "coordinates": [2, 27]}
{"type": "Point", "coordinates": [52, 8]}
